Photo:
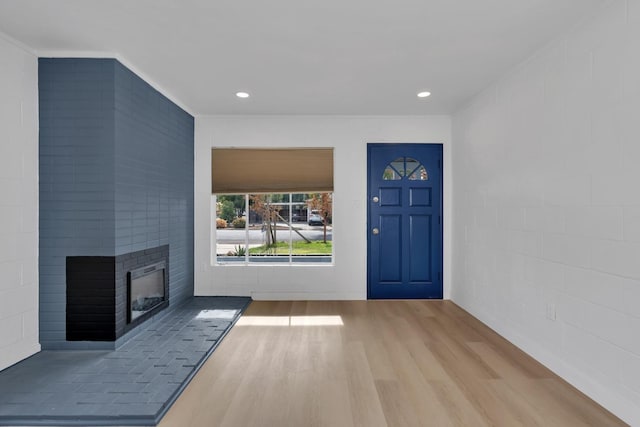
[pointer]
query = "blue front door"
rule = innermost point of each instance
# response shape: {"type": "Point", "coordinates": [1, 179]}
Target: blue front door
{"type": "Point", "coordinates": [404, 221]}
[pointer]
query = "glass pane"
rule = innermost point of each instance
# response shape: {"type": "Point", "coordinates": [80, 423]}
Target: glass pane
{"type": "Point", "coordinates": [398, 164]}
{"type": "Point", "coordinates": [419, 174]}
{"type": "Point", "coordinates": [311, 243]}
{"type": "Point", "coordinates": [268, 227]}
{"type": "Point", "coordinates": [390, 174]}
{"type": "Point", "coordinates": [231, 218]}
{"type": "Point", "coordinates": [410, 165]}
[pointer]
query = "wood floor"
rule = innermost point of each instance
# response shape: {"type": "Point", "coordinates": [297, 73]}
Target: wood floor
{"type": "Point", "coordinates": [375, 363]}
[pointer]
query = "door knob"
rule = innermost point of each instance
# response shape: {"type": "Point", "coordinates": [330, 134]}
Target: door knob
{"type": "Point", "coordinates": [375, 199]}
{"type": "Point", "coordinates": [375, 231]}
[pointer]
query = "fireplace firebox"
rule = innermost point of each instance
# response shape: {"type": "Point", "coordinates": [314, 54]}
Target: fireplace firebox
{"type": "Point", "coordinates": [145, 290]}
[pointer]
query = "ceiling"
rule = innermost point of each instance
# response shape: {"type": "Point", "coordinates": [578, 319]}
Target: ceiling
{"type": "Point", "coordinates": [362, 57]}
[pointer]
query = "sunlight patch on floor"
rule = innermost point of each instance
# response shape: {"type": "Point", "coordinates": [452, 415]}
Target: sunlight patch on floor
{"type": "Point", "coordinates": [290, 321]}
{"type": "Point", "coordinates": [217, 314]}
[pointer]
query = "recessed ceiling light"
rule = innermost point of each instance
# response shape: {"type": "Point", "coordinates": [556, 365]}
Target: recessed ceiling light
{"type": "Point", "coordinates": [423, 94]}
{"type": "Point", "coordinates": [242, 94]}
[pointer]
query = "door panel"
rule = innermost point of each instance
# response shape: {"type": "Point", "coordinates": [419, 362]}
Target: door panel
{"type": "Point", "coordinates": [404, 221]}
{"type": "Point", "coordinates": [391, 197]}
{"type": "Point", "coordinates": [419, 197]}
{"type": "Point", "coordinates": [390, 237]}
{"type": "Point", "coordinates": [419, 249]}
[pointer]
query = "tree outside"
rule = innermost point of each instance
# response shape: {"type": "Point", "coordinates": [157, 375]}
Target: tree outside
{"type": "Point", "coordinates": [323, 203]}
{"type": "Point", "coordinates": [237, 201]}
{"type": "Point", "coordinates": [264, 207]}
{"type": "Point", "coordinates": [227, 211]}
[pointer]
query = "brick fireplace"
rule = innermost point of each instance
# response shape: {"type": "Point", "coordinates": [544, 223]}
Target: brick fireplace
{"type": "Point", "coordinates": [116, 172]}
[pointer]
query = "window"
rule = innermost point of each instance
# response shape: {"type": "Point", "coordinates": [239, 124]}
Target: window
{"type": "Point", "coordinates": [405, 167]}
{"type": "Point", "coordinates": [273, 205]}
{"type": "Point", "coordinates": [276, 228]}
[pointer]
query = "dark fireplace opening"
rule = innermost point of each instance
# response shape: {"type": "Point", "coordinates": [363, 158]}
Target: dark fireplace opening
{"type": "Point", "coordinates": [146, 291]}
{"type": "Point", "coordinates": [108, 296]}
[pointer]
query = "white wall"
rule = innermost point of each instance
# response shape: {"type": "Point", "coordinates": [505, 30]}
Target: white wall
{"type": "Point", "coordinates": [547, 207]}
{"type": "Point", "coordinates": [18, 203]}
{"type": "Point", "coordinates": [349, 137]}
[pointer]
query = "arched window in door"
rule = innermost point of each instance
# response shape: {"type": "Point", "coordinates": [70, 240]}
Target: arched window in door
{"type": "Point", "coordinates": [405, 168]}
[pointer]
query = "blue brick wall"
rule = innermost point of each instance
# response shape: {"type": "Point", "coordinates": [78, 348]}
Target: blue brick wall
{"type": "Point", "coordinates": [76, 167]}
{"type": "Point", "coordinates": [154, 177]}
{"type": "Point", "coordinates": [116, 176]}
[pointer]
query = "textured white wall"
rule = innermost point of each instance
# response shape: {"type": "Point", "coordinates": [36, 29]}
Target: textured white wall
{"type": "Point", "coordinates": [349, 136]}
{"type": "Point", "coordinates": [547, 207]}
{"type": "Point", "coordinates": [18, 203]}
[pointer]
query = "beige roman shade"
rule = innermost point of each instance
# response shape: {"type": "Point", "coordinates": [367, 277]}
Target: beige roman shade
{"type": "Point", "coordinates": [274, 170]}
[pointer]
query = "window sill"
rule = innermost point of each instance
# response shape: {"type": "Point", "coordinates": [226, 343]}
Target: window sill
{"type": "Point", "coordinates": [306, 261]}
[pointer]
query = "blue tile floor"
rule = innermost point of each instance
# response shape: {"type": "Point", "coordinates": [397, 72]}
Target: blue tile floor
{"type": "Point", "coordinates": [132, 386]}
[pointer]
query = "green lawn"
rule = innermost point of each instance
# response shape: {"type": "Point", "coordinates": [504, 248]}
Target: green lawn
{"type": "Point", "coordinates": [299, 248]}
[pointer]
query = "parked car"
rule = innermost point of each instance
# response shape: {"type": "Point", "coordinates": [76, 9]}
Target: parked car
{"type": "Point", "coordinates": [315, 219]}
{"type": "Point", "coordinates": [298, 217]}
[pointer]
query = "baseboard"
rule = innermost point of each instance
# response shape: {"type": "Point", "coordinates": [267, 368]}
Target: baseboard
{"type": "Point", "coordinates": [302, 296]}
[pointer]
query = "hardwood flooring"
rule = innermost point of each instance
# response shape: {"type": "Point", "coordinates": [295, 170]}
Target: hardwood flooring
{"type": "Point", "coordinates": [375, 363]}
